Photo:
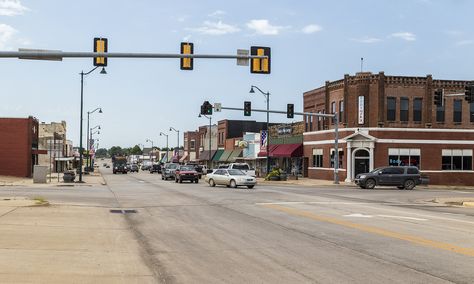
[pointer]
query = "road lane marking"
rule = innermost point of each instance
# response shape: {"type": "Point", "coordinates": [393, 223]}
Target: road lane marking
{"type": "Point", "coordinates": [311, 202]}
{"type": "Point", "coordinates": [402, 217]}
{"type": "Point", "coordinates": [374, 230]}
{"type": "Point", "coordinates": [358, 215]}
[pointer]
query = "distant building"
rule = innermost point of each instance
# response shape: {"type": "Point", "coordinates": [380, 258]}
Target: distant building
{"type": "Point", "coordinates": [19, 146]}
{"type": "Point", "coordinates": [391, 120]}
{"type": "Point", "coordinates": [52, 137]}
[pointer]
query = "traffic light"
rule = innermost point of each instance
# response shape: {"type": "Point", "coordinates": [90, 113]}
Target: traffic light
{"type": "Point", "coordinates": [469, 92]}
{"type": "Point", "coordinates": [206, 108]}
{"type": "Point", "coordinates": [439, 97]}
{"type": "Point", "coordinates": [290, 110]}
{"type": "Point", "coordinates": [100, 45]}
{"type": "Point", "coordinates": [247, 108]}
{"type": "Point", "coordinates": [187, 63]}
{"type": "Point", "coordinates": [260, 65]}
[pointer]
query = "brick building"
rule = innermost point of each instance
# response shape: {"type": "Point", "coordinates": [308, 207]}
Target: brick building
{"type": "Point", "coordinates": [191, 148]}
{"type": "Point", "coordinates": [391, 120]}
{"type": "Point", "coordinates": [18, 146]}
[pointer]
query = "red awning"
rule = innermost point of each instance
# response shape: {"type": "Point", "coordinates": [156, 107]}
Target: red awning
{"type": "Point", "coordinates": [287, 151]}
{"type": "Point", "coordinates": [39, 152]}
{"type": "Point", "coordinates": [264, 153]}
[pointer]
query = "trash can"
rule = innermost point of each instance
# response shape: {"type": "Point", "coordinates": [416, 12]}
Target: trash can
{"type": "Point", "coordinates": [69, 176]}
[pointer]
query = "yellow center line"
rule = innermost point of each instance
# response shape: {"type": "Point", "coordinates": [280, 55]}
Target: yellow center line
{"type": "Point", "coordinates": [374, 230]}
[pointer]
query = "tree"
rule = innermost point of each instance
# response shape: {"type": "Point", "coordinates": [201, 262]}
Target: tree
{"type": "Point", "coordinates": [101, 153]}
{"type": "Point", "coordinates": [116, 150]}
{"type": "Point", "coordinates": [136, 150]}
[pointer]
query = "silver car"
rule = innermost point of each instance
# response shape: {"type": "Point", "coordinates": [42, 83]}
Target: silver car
{"type": "Point", "coordinates": [230, 178]}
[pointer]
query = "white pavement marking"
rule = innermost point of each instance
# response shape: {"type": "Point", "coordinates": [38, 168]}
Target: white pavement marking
{"type": "Point", "coordinates": [310, 202]}
{"type": "Point", "coordinates": [463, 192]}
{"type": "Point", "coordinates": [358, 215]}
{"type": "Point", "coordinates": [402, 217]}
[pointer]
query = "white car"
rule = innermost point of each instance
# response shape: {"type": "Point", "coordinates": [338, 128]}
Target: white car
{"type": "Point", "coordinates": [230, 178]}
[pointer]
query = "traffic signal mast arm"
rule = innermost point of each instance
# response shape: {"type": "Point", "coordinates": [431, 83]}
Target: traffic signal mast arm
{"type": "Point", "coordinates": [284, 112]}
{"type": "Point", "coordinates": [59, 55]}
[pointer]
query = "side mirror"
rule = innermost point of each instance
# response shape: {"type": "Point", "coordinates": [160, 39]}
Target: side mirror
{"type": "Point", "coordinates": [380, 172]}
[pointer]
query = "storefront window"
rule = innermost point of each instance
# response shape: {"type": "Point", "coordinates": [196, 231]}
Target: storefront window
{"type": "Point", "coordinates": [456, 160]}
{"type": "Point", "coordinates": [341, 158]}
{"type": "Point", "coordinates": [404, 157]}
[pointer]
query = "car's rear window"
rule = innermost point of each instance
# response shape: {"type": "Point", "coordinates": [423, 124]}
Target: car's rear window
{"type": "Point", "coordinates": [244, 167]}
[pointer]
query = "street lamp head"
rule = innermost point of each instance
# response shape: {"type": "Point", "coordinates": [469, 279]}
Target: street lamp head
{"type": "Point", "coordinates": [99, 127]}
{"type": "Point", "coordinates": [103, 71]}
{"type": "Point", "coordinates": [100, 110]}
{"type": "Point", "coordinates": [199, 115]}
{"type": "Point", "coordinates": [251, 90]}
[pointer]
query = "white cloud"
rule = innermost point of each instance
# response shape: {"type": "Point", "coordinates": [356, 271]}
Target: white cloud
{"type": "Point", "coordinates": [405, 36]}
{"type": "Point", "coordinates": [215, 28]}
{"type": "Point", "coordinates": [263, 27]}
{"type": "Point", "coordinates": [217, 14]}
{"type": "Point", "coordinates": [11, 8]}
{"type": "Point", "coordinates": [367, 39]}
{"type": "Point", "coordinates": [6, 35]}
{"type": "Point", "coordinates": [310, 29]}
{"type": "Point", "coordinates": [465, 42]}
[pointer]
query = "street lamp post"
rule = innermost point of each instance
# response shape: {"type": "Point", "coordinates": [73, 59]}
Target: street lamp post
{"type": "Point", "coordinates": [82, 111]}
{"type": "Point", "coordinates": [210, 134]}
{"type": "Point", "coordinates": [167, 150]}
{"type": "Point", "coordinates": [151, 159]}
{"type": "Point", "coordinates": [88, 142]}
{"type": "Point", "coordinates": [91, 164]}
{"type": "Point", "coordinates": [177, 131]}
{"type": "Point", "coordinates": [267, 97]}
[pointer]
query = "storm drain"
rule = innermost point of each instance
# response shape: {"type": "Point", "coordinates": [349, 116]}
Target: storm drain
{"type": "Point", "coordinates": [126, 211]}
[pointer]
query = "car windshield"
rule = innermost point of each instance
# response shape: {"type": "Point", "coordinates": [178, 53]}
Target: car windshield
{"type": "Point", "coordinates": [236, 173]}
{"type": "Point", "coordinates": [172, 166]}
{"type": "Point", "coordinates": [186, 168]}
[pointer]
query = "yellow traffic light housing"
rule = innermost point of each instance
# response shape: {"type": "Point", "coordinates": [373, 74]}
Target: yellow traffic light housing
{"type": "Point", "coordinates": [100, 45]}
{"type": "Point", "coordinates": [187, 63]}
{"type": "Point", "coordinates": [260, 65]}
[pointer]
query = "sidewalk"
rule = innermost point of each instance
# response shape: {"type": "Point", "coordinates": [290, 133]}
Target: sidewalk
{"type": "Point", "coordinates": [67, 244]}
{"type": "Point", "coordinates": [89, 180]}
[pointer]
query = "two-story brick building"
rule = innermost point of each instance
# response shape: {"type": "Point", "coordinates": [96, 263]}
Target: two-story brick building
{"type": "Point", "coordinates": [391, 120]}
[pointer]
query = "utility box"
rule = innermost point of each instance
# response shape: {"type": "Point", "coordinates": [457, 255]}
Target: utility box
{"type": "Point", "coordinates": [39, 174]}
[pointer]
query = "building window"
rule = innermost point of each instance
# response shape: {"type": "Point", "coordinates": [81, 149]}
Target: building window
{"type": "Point", "coordinates": [333, 110]}
{"type": "Point", "coordinates": [403, 109]}
{"type": "Point", "coordinates": [319, 121]}
{"type": "Point", "coordinates": [306, 123]}
{"type": "Point", "coordinates": [440, 113]}
{"type": "Point", "coordinates": [341, 158]}
{"type": "Point", "coordinates": [193, 144]}
{"type": "Point", "coordinates": [341, 110]}
{"type": "Point", "coordinates": [456, 160]}
{"type": "Point", "coordinates": [457, 111]}
{"type": "Point", "coordinates": [391, 108]}
{"type": "Point", "coordinates": [417, 109]}
{"type": "Point", "coordinates": [318, 158]}
{"type": "Point", "coordinates": [471, 112]}
{"type": "Point", "coordinates": [404, 157]}
{"type": "Point", "coordinates": [310, 118]}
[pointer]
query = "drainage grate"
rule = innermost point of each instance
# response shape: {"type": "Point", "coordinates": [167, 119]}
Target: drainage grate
{"type": "Point", "coordinates": [126, 211]}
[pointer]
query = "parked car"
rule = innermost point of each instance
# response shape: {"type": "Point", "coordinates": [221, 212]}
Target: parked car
{"type": "Point", "coordinates": [155, 169]}
{"type": "Point", "coordinates": [239, 166]}
{"type": "Point", "coordinates": [168, 171]}
{"type": "Point", "coordinates": [186, 172]}
{"type": "Point", "coordinates": [133, 168]}
{"type": "Point", "coordinates": [230, 178]}
{"type": "Point", "coordinates": [402, 177]}
{"type": "Point", "coordinates": [145, 167]}
{"type": "Point", "coordinates": [199, 169]}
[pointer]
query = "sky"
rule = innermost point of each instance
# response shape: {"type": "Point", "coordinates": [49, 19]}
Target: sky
{"type": "Point", "coordinates": [311, 41]}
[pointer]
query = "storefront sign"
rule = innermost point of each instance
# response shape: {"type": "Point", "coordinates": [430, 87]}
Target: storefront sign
{"type": "Point", "coordinates": [361, 109]}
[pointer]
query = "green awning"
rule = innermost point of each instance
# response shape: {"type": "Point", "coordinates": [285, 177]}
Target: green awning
{"type": "Point", "coordinates": [225, 156]}
{"type": "Point", "coordinates": [235, 154]}
{"type": "Point", "coordinates": [217, 155]}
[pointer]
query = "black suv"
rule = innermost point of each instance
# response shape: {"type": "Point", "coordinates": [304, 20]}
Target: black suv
{"type": "Point", "coordinates": [155, 169]}
{"type": "Point", "coordinates": [401, 177]}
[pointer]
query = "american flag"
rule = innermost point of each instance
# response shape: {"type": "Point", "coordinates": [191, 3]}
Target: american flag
{"type": "Point", "coordinates": [263, 139]}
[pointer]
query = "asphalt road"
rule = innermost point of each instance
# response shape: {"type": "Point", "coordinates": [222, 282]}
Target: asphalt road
{"type": "Point", "coordinates": [192, 233]}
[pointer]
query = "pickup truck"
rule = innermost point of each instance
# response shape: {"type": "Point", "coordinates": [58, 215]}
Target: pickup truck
{"type": "Point", "coordinates": [119, 165]}
{"type": "Point", "coordinates": [239, 166]}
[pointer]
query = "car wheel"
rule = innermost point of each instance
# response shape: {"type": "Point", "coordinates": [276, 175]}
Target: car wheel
{"type": "Point", "coordinates": [162, 178]}
{"type": "Point", "coordinates": [212, 183]}
{"type": "Point", "coordinates": [233, 184]}
{"type": "Point", "coordinates": [370, 183]}
{"type": "Point", "coordinates": [250, 186]}
{"type": "Point", "coordinates": [409, 184]}
{"type": "Point", "coordinates": [196, 181]}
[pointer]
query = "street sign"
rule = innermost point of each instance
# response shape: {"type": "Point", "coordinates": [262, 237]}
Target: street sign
{"type": "Point", "coordinates": [217, 107]}
{"type": "Point", "coordinates": [243, 61]}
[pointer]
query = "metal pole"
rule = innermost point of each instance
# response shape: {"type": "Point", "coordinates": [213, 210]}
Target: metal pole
{"type": "Point", "coordinates": [50, 162]}
{"type": "Point", "coordinates": [210, 141]}
{"type": "Point", "coordinates": [80, 132]}
{"type": "Point", "coordinates": [167, 150]}
{"type": "Point", "coordinates": [268, 133]}
{"type": "Point", "coordinates": [88, 141]}
{"type": "Point", "coordinates": [336, 149]}
{"type": "Point", "coordinates": [178, 147]}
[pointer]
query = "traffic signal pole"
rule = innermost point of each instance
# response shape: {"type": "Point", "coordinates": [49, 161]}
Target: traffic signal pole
{"type": "Point", "coordinates": [336, 130]}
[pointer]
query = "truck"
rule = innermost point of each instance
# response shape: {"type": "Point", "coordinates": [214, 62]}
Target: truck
{"type": "Point", "coordinates": [119, 164]}
{"type": "Point", "coordinates": [239, 166]}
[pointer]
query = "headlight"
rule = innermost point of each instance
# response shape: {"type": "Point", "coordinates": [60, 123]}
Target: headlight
{"type": "Point", "coordinates": [362, 176]}
{"type": "Point", "coordinates": [116, 167]}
